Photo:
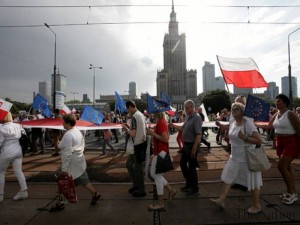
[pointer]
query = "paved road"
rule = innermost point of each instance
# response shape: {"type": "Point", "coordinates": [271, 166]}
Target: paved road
{"type": "Point", "coordinates": [116, 206]}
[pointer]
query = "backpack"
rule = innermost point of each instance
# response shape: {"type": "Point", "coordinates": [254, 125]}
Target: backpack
{"type": "Point", "coordinates": [24, 141]}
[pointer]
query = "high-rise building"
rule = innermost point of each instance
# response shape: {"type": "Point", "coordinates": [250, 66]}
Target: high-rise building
{"type": "Point", "coordinates": [175, 80]}
{"type": "Point", "coordinates": [210, 82]}
{"type": "Point", "coordinates": [242, 91]}
{"type": "Point", "coordinates": [85, 98]}
{"type": "Point", "coordinates": [272, 90]}
{"type": "Point", "coordinates": [208, 76]}
{"type": "Point", "coordinates": [219, 83]}
{"type": "Point", "coordinates": [132, 89]}
{"type": "Point", "coordinates": [61, 88]}
{"type": "Point", "coordinates": [45, 90]}
{"type": "Point", "coordinates": [285, 89]}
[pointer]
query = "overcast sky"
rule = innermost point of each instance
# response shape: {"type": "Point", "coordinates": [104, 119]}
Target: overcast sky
{"type": "Point", "coordinates": [128, 50]}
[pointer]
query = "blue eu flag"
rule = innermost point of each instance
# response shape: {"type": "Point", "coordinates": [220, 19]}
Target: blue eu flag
{"type": "Point", "coordinates": [120, 103]}
{"type": "Point", "coordinates": [164, 97]}
{"type": "Point", "coordinates": [257, 108]}
{"type": "Point", "coordinates": [41, 104]}
{"type": "Point", "coordinates": [91, 115]}
{"type": "Point", "coordinates": [155, 106]}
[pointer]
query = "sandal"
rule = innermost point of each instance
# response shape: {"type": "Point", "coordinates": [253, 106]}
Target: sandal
{"type": "Point", "coordinates": [95, 198]}
{"type": "Point", "coordinates": [155, 206]}
{"type": "Point", "coordinates": [217, 202]}
{"type": "Point", "coordinates": [57, 207]}
{"type": "Point", "coordinates": [253, 210]}
{"type": "Point", "coordinates": [290, 199]}
{"type": "Point", "coordinates": [286, 195]}
{"type": "Point", "coordinates": [172, 194]}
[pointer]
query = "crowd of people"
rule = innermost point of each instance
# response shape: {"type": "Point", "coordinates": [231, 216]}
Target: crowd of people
{"type": "Point", "coordinates": [239, 131]}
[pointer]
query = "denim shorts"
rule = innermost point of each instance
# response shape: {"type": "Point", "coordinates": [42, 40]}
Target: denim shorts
{"type": "Point", "coordinates": [82, 180]}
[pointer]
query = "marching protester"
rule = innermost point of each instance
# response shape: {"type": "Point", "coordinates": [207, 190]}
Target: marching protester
{"type": "Point", "coordinates": [73, 160]}
{"type": "Point", "coordinates": [11, 152]}
{"type": "Point", "coordinates": [236, 169]}
{"type": "Point", "coordinates": [191, 135]}
{"type": "Point", "coordinates": [160, 138]}
{"type": "Point", "coordinates": [137, 130]}
{"type": "Point", "coordinates": [286, 126]}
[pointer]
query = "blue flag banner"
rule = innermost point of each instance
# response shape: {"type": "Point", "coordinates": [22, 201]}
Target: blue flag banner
{"type": "Point", "coordinates": [120, 103]}
{"type": "Point", "coordinates": [41, 104]}
{"type": "Point", "coordinates": [91, 115]}
{"type": "Point", "coordinates": [164, 97]}
{"type": "Point", "coordinates": [257, 108]}
{"type": "Point", "coordinates": [155, 106]}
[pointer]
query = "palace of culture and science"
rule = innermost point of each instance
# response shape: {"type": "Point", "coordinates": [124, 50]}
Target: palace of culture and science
{"type": "Point", "coordinates": [179, 83]}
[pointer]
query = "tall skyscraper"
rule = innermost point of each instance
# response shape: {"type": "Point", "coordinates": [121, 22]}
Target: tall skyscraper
{"type": "Point", "coordinates": [272, 91]}
{"type": "Point", "coordinates": [45, 90]}
{"type": "Point", "coordinates": [209, 81]}
{"type": "Point", "coordinates": [175, 80]}
{"type": "Point", "coordinates": [208, 76]}
{"type": "Point", "coordinates": [285, 89]}
{"type": "Point", "coordinates": [132, 89]}
{"type": "Point", "coordinates": [61, 88]}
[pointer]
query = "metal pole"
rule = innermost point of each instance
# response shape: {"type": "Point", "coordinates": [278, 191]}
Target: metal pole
{"type": "Point", "coordinates": [94, 89]}
{"type": "Point", "coordinates": [94, 79]}
{"type": "Point", "coordinates": [54, 73]}
{"type": "Point", "coordinates": [290, 71]}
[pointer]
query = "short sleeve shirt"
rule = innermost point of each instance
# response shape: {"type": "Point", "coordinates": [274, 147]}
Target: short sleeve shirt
{"type": "Point", "coordinates": [191, 127]}
{"type": "Point", "coordinates": [161, 126]}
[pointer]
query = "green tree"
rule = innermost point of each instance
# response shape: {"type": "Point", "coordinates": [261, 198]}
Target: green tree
{"type": "Point", "coordinates": [17, 106]}
{"type": "Point", "coordinates": [216, 100]}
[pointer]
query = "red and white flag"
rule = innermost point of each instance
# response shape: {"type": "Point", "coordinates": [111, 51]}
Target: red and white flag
{"type": "Point", "coordinates": [242, 72]}
{"type": "Point", "coordinates": [4, 108]}
{"type": "Point", "coordinates": [65, 110]}
{"type": "Point", "coordinates": [171, 112]}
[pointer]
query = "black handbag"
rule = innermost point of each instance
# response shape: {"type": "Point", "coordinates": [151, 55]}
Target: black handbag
{"type": "Point", "coordinates": [140, 152]}
{"type": "Point", "coordinates": [163, 164]}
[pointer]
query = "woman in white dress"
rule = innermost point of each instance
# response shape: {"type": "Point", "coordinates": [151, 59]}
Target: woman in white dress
{"type": "Point", "coordinates": [236, 169]}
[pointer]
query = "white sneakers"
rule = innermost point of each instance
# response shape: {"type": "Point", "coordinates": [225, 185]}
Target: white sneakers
{"type": "Point", "coordinates": [21, 195]}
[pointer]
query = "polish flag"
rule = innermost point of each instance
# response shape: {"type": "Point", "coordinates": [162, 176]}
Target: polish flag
{"type": "Point", "coordinates": [4, 108]}
{"type": "Point", "coordinates": [171, 112]}
{"type": "Point", "coordinates": [242, 72]}
{"type": "Point", "coordinates": [65, 110]}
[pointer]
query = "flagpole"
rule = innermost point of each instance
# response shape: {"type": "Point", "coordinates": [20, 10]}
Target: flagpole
{"type": "Point", "coordinates": [223, 75]}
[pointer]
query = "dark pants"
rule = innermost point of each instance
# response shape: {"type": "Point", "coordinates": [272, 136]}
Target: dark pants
{"type": "Point", "coordinates": [136, 172]}
{"type": "Point", "coordinates": [188, 166]}
{"type": "Point", "coordinates": [114, 132]}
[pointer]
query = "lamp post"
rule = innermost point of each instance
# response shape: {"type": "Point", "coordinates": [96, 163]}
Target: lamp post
{"type": "Point", "coordinates": [290, 70]}
{"type": "Point", "coordinates": [94, 67]}
{"type": "Point", "coordinates": [54, 73]}
{"type": "Point", "coordinates": [74, 93]}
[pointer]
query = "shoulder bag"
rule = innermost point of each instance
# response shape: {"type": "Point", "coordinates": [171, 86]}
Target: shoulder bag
{"type": "Point", "coordinates": [257, 159]}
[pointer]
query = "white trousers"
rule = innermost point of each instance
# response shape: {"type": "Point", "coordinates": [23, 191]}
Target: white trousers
{"type": "Point", "coordinates": [160, 181]}
{"type": "Point", "coordinates": [17, 167]}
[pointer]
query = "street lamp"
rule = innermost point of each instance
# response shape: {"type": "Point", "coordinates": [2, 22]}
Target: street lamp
{"type": "Point", "coordinates": [74, 93]}
{"type": "Point", "coordinates": [54, 73]}
{"type": "Point", "coordinates": [290, 70]}
{"type": "Point", "coordinates": [94, 67]}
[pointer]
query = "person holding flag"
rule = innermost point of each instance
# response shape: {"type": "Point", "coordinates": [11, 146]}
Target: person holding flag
{"type": "Point", "coordinates": [287, 141]}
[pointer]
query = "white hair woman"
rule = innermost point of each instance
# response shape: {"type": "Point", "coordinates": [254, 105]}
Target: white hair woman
{"type": "Point", "coordinates": [241, 132]}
